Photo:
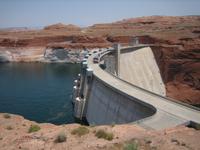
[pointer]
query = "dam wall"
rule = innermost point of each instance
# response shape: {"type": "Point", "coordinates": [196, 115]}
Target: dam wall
{"type": "Point", "coordinates": [107, 105]}
{"type": "Point", "coordinates": [101, 103]}
{"type": "Point", "coordinates": [139, 67]}
{"type": "Point", "coordinates": [105, 98]}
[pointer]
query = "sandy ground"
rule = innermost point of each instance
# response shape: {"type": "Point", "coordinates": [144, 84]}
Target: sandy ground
{"type": "Point", "coordinates": [14, 135]}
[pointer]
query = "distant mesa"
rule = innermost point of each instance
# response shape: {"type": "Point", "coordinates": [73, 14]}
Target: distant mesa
{"type": "Point", "coordinates": [59, 26]}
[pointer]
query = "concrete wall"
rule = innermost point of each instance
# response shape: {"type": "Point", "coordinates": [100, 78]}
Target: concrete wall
{"type": "Point", "coordinates": [107, 106]}
{"type": "Point", "coordinates": [109, 61]}
{"type": "Point", "coordinates": [139, 67]}
{"type": "Point", "coordinates": [105, 99]}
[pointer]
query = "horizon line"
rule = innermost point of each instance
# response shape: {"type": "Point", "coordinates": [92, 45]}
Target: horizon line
{"type": "Point", "coordinates": [84, 26]}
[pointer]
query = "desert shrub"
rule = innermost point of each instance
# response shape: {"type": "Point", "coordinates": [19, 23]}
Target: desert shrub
{"type": "Point", "coordinates": [105, 135]}
{"type": "Point", "coordinates": [6, 116]}
{"type": "Point", "coordinates": [9, 128]}
{"type": "Point", "coordinates": [113, 124]}
{"type": "Point", "coordinates": [131, 146]}
{"type": "Point", "coordinates": [198, 127]}
{"type": "Point", "coordinates": [80, 131]}
{"type": "Point", "coordinates": [61, 137]}
{"type": "Point", "coordinates": [33, 128]}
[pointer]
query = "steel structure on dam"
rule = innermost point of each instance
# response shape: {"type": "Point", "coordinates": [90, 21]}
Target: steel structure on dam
{"type": "Point", "coordinates": [103, 97]}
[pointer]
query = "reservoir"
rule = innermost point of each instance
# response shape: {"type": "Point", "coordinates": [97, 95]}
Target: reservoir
{"type": "Point", "coordinates": [39, 92]}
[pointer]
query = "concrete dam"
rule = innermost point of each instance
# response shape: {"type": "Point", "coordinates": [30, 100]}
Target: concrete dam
{"type": "Point", "coordinates": [123, 85]}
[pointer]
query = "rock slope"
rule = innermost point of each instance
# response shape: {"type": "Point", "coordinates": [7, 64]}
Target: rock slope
{"type": "Point", "coordinates": [15, 134]}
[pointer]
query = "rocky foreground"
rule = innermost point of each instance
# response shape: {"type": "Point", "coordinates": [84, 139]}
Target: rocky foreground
{"type": "Point", "coordinates": [176, 39]}
{"type": "Point", "coordinates": [15, 134]}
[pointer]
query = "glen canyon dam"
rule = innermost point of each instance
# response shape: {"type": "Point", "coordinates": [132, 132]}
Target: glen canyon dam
{"type": "Point", "coordinates": [106, 83]}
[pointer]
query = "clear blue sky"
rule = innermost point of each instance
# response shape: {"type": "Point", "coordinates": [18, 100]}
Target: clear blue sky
{"type": "Point", "coordinates": [34, 13]}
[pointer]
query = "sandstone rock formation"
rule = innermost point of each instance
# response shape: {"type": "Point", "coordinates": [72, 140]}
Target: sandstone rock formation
{"type": "Point", "coordinates": [63, 55]}
{"type": "Point", "coordinates": [14, 134]}
{"type": "Point", "coordinates": [176, 39]}
{"type": "Point", "coordinates": [60, 26]}
{"type": "Point", "coordinates": [5, 56]}
{"type": "Point", "coordinates": [180, 72]}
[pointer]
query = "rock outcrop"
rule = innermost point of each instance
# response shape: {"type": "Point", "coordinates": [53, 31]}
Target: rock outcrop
{"type": "Point", "coordinates": [5, 56]}
{"type": "Point", "coordinates": [60, 26]}
{"type": "Point", "coordinates": [63, 55]}
{"type": "Point", "coordinates": [15, 133]}
{"type": "Point", "coordinates": [180, 71]}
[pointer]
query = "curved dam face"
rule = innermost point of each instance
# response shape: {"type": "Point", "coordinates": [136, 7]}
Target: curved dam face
{"type": "Point", "coordinates": [107, 105]}
{"type": "Point", "coordinates": [127, 88]}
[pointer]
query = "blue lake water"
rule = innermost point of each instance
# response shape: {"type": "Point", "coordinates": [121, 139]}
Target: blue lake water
{"type": "Point", "coordinates": [39, 92]}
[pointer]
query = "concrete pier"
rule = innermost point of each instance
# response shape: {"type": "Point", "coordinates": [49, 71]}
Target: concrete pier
{"type": "Point", "coordinates": [75, 94]}
{"type": "Point", "coordinates": [134, 41]}
{"type": "Point", "coordinates": [117, 56]}
{"type": "Point", "coordinates": [79, 92]}
{"type": "Point", "coordinates": [78, 107]}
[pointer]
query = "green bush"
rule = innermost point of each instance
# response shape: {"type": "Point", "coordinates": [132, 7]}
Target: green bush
{"type": "Point", "coordinates": [113, 124]}
{"type": "Point", "coordinates": [6, 116]}
{"type": "Point", "coordinates": [80, 131]}
{"type": "Point", "coordinates": [131, 146]}
{"type": "Point", "coordinates": [33, 128]}
{"type": "Point", "coordinates": [105, 135]}
{"type": "Point", "coordinates": [61, 137]}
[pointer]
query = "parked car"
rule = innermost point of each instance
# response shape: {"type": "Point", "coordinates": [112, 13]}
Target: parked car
{"type": "Point", "coordinates": [86, 56]}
